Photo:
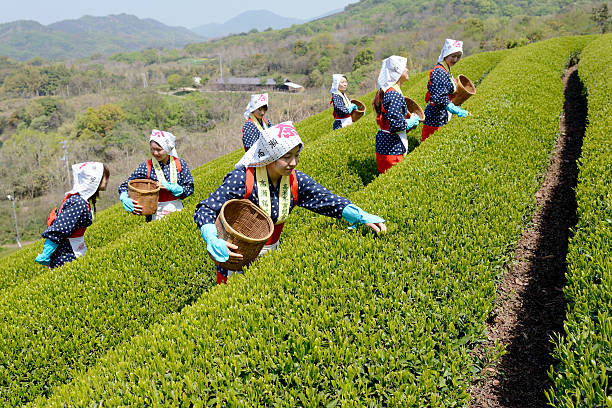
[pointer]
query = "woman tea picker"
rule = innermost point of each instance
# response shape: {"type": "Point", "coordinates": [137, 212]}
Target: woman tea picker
{"type": "Point", "coordinates": [440, 88]}
{"type": "Point", "coordinates": [171, 172]}
{"type": "Point", "coordinates": [342, 104]}
{"type": "Point", "coordinates": [391, 110]}
{"type": "Point", "coordinates": [65, 234]}
{"type": "Point", "coordinates": [266, 175]}
{"type": "Point", "coordinates": [256, 123]}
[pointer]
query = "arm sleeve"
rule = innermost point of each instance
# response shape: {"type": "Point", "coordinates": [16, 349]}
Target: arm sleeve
{"type": "Point", "coordinates": [314, 197]}
{"type": "Point", "coordinates": [439, 88]}
{"type": "Point", "coordinates": [339, 107]}
{"type": "Point", "coordinates": [185, 180]}
{"type": "Point", "coordinates": [232, 187]}
{"type": "Point", "coordinates": [250, 134]}
{"type": "Point", "coordinates": [75, 214]}
{"type": "Point", "coordinates": [140, 172]}
{"type": "Point", "coordinates": [396, 111]}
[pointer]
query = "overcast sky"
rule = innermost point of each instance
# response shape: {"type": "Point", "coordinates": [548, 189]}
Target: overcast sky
{"type": "Point", "coordinates": [185, 13]}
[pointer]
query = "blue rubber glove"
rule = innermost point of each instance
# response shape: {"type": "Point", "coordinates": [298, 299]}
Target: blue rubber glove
{"type": "Point", "coordinates": [48, 248]}
{"type": "Point", "coordinates": [452, 108]}
{"type": "Point", "coordinates": [215, 246]}
{"type": "Point", "coordinates": [173, 188]}
{"type": "Point", "coordinates": [128, 205]}
{"type": "Point", "coordinates": [352, 107]}
{"type": "Point", "coordinates": [412, 122]}
{"type": "Point", "coordinates": [355, 215]}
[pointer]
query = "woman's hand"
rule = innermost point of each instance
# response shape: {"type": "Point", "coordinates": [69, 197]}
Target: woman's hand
{"type": "Point", "coordinates": [137, 208]}
{"type": "Point", "coordinates": [232, 247]}
{"type": "Point", "coordinates": [378, 227]}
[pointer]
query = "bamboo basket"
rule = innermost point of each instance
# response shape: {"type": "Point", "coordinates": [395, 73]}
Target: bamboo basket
{"type": "Point", "coordinates": [465, 89]}
{"type": "Point", "coordinates": [244, 224]}
{"type": "Point", "coordinates": [414, 107]}
{"type": "Point", "coordinates": [146, 193]}
{"type": "Point", "coordinates": [359, 112]}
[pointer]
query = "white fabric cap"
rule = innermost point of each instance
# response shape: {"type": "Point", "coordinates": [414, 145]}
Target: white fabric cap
{"type": "Point", "coordinates": [273, 144]}
{"type": "Point", "coordinates": [391, 70]}
{"type": "Point", "coordinates": [335, 83]}
{"type": "Point", "coordinates": [166, 140]}
{"type": "Point", "coordinates": [256, 101]}
{"type": "Point", "coordinates": [450, 47]}
{"type": "Point", "coordinates": [86, 178]}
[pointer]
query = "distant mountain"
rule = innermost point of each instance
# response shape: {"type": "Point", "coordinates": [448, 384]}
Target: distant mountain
{"type": "Point", "coordinates": [245, 22]}
{"type": "Point", "coordinates": [23, 40]}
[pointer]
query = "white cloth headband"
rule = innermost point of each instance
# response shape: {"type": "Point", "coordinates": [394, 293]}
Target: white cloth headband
{"type": "Point", "coordinates": [391, 70]}
{"type": "Point", "coordinates": [166, 140]}
{"type": "Point", "coordinates": [86, 178]}
{"type": "Point", "coordinates": [257, 101]}
{"type": "Point", "coordinates": [273, 144]}
{"type": "Point", "coordinates": [450, 47]}
{"type": "Point", "coordinates": [335, 83]}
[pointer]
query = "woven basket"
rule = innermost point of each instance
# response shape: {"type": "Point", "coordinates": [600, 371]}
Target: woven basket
{"type": "Point", "coordinates": [414, 107]}
{"type": "Point", "coordinates": [465, 89]}
{"type": "Point", "coordinates": [359, 112]}
{"type": "Point", "coordinates": [146, 193]}
{"type": "Point", "coordinates": [244, 224]}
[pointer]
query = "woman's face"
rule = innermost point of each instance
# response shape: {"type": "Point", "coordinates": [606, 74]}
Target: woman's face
{"type": "Point", "coordinates": [285, 165]}
{"type": "Point", "coordinates": [453, 58]}
{"type": "Point", "coordinates": [342, 84]}
{"type": "Point", "coordinates": [404, 76]}
{"type": "Point", "coordinates": [260, 112]}
{"type": "Point", "coordinates": [157, 152]}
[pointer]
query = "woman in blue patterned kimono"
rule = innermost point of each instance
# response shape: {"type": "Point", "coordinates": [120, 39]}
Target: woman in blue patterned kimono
{"type": "Point", "coordinates": [342, 104]}
{"type": "Point", "coordinates": [65, 234]}
{"type": "Point", "coordinates": [440, 88]}
{"type": "Point", "coordinates": [263, 170]}
{"type": "Point", "coordinates": [255, 123]}
{"type": "Point", "coordinates": [172, 173]}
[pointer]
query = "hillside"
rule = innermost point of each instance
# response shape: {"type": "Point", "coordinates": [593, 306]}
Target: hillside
{"type": "Point", "coordinates": [23, 40]}
{"type": "Point", "coordinates": [253, 19]}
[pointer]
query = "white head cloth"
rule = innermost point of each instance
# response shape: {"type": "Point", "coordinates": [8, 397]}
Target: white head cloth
{"type": "Point", "coordinates": [450, 47]}
{"type": "Point", "coordinates": [166, 140]}
{"type": "Point", "coordinates": [273, 144]}
{"type": "Point", "coordinates": [391, 70]}
{"type": "Point", "coordinates": [335, 83]}
{"type": "Point", "coordinates": [257, 101]}
{"type": "Point", "coordinates": [86, 178]}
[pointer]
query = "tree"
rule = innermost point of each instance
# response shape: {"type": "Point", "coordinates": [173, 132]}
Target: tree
{"type": "Point", "coordinates": [363, 57]}
{"type": "Point", "coordinates": [100, 121]}
{"type": "Point", "coordinates": [601, 18]}
{"type": "Point", "coordinates": [179, 81]}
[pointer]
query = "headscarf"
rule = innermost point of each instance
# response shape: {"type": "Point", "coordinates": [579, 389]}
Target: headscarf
{"type": "Point", "coordinates": [391, 70]}
{"type": "Point", "coordinates": [450, 47]}
{"type": "Point", "coordinates": [335, 83]}
{"type": "Point", "coordinates": [273, 144]}
{"type": "Point", "coordinates": [257, 101]}
{"type": "Point", "coordinates": [86, 178]}
{"type": "Point", "coordinates": [166, 140]}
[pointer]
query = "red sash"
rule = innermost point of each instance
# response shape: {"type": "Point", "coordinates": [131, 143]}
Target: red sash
{"type": "Point", "coordinates": [248, 189]}
{"type": "Point", "coordinates": [331, 102]}
{"type": "Point", "coordinates": [383, 122]}
{"type": "Point", "coordinates": [165, 195]}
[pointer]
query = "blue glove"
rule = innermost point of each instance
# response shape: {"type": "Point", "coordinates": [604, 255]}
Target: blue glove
{"type": "Point", "coordinates": [215, 246]}
{"type": "Point", "coordinates": [412, 122]}
{"type": "Point", "coordinates": [128, 205]}
{"type": "Point", "coordinates": [352, 107]}
{"type": "Point", "coordinates": [355, 215]}
{"type": "Point", "coordinates": [174, 188]}
{"type": "Point", "coordinates": [48, 248]}
{"type": "Point", "coordinates": [452, 108]}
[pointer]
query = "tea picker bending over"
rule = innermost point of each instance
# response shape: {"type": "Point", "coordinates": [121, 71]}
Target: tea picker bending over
{"type": "Point", "coordinates": [256, 122]}
{"type": "Point", "coordinates": [165, 167]}
{"type": "Point", "coordinates": [268, 170]}
{"type": "Point", "coordinates": [391, 110]}
{"type": "Point", "coordinates": [342, 104]}
{"type": "Point", "coordinates": [440, 89]}
{"type": "Point", "coordinates": [65, 234]}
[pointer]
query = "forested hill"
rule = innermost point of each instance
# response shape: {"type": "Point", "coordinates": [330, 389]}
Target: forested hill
{"type": "Point", "coordinates": [23, 40]}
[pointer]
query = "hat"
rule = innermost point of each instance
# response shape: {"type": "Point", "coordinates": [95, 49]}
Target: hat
{"type": "Point", "coordinates": [335, 83]}
{"type": "Point", "coordinates": [391, 70]}
{"type": "Point", "coordinates": [450, 47]}
{"type": "Point", "coordinates": [166, 140]}
{"type": "Point", "coordinates": [257, 101]}
{"type": "Point", "coordinates": [86, 178]}
{"type": "Point", "coordinates": [273, 144]}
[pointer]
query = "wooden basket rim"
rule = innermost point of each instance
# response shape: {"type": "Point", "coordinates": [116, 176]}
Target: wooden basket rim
{"type": "Point", "coordinates": [149, 181]}
{"type": "Point", "coordinates": [228, 228]}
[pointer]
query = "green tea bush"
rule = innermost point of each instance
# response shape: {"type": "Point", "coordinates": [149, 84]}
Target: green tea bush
{"type": "Point", "coordinates": [339, 318]}
{"type": "Point", "coordinates": [582, 378]}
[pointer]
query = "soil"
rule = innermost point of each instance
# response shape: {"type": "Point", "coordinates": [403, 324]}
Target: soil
{"type": "Point", "coordinates": [530, 307]}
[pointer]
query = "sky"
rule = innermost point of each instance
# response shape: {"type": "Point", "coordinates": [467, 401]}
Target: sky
{"type": "Point", "coordinates": [185, 13]}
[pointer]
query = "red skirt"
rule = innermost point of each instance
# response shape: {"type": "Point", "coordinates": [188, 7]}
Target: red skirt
{"type": "Point", "coordinates": [385, 161]}
{"type": "Point", "coordinates": [428, 131]}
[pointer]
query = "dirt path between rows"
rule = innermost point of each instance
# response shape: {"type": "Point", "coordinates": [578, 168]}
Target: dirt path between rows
{"type": "Point", "coordinates": [530, 308]}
